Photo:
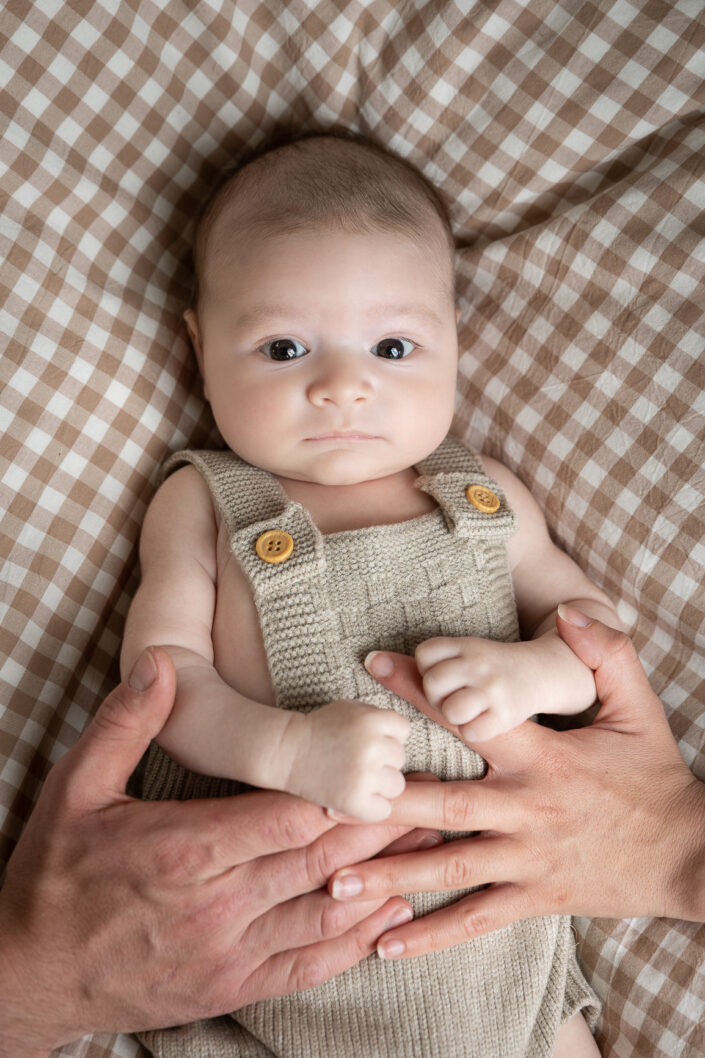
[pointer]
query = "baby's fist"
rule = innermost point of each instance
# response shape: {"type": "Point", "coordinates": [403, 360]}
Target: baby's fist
{"type": "Point", "coordinates": [355, 759]}
{"type": "Point", "coordinates": [482, 687]}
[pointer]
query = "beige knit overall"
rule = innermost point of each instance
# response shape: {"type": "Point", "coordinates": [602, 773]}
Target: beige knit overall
{"type": "Point", "coordinates": [322, 610]}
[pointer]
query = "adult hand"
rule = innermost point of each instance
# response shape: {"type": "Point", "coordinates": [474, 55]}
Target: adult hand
{"type": "Point", "coordinates": [605, 820]}
{"type": "Point", "coordinates": [119, 915]}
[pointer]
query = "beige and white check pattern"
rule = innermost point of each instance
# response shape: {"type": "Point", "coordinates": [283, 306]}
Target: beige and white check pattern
{"type": "Point", "coordinates": [569, 138]}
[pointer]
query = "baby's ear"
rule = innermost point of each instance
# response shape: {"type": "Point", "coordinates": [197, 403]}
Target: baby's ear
{"type": "Point", "coordinates": [194, 333]}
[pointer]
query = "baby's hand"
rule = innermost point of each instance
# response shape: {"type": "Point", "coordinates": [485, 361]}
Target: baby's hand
{"type": "Point", "coordinates": [351, 759]}
{"type": "Point", "coordinates": [486, 688]}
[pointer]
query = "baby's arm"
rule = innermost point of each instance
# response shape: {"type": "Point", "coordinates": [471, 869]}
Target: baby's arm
{"type": "Point", "coordinates": [347, 755]}
{"type": "Point", "coordinates": [487, 687]}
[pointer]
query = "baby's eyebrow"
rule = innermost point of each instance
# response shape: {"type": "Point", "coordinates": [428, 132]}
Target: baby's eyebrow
{"type": "Point", "coordinates": [419, 312]}
{"type": "Point", "coordinates": [262, 313]}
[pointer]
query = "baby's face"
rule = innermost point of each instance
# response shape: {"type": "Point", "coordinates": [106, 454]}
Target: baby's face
{"type": "Point", "coordinates": [328, 357]}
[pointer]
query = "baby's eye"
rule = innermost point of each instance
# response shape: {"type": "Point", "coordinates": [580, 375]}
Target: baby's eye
{"type": "Point", "coordinates": [393, 348]}
{"type": "Point", "coordinates": [281, 349]}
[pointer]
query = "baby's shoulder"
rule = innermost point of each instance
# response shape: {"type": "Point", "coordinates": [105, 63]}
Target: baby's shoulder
{"type": "Point", "coordinates": [181, 510]}
{"type": "Point", "coordinates": [184, 485]}
{"type": "Point", "coordinates": [505, 478]}
{"type": "Point", "coordinates": [520, 499]}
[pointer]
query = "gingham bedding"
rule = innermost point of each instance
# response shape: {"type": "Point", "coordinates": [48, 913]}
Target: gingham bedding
{"type": "Point", "coordinates": [568, 137]}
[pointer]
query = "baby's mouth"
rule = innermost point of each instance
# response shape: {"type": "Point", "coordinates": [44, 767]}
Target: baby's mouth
{"type": "Point", "coordinates": [343, 435]}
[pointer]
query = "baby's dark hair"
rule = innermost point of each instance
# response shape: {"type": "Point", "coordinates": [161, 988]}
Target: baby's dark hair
{"type": "Point", "coordinates": [333, 178]}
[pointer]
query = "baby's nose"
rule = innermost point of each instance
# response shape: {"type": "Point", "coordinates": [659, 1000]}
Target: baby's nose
{"type": "Point", "coordinates": [339, 381]}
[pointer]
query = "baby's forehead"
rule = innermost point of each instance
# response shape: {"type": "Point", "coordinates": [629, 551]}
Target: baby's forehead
{"type": "Point", "coordinates": [239, 225]}
{"type": "Point", "coordinates": [323, 182]}
{"type": "Point", "coordinates": [245, 236]}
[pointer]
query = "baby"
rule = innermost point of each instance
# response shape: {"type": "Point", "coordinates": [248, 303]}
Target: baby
{"type": "Point", "coordinates": [343, 518]}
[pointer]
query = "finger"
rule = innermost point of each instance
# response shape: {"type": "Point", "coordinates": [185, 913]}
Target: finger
{"type": "Point", "coordinates": [463, 706]}
{"type": "Point", "coordinates": [513, 750]}
{"type": "Point", "coordinates": [394, 754]}
{"type": "Point", "coordinates": [313, 917]}
{"type": "Point", "coordinates": [377, 808]}
{"type": "Point", "coordinates": [466, 805]}
{"type": "Point", "coordinates": [433, 651]}
{"type": "Point", "coordinates": [420, 837]}
{"type": "Point", "coordinates": [473, 916]}
{"type": "Point", "coordinates": [302, 968]}
{"type": "Point", "coordinates": [391, 783]}
{"type": "Point", "coordinates": [415, 841]}
{"type": "Point", "coordinates": [622, 685]}
{"type": "Point", "coordinates": [97, 769]}
{"type": "Point", "coordinates": [395, 726]}
{"type": "Point", "coordinates": [455, 865]}
{"type": "Point", "coordinates": [396, 671]}
{"type": "Point", "coordinates": [442, 679]}
{"type": "Point", "coordinates": [487, 725]}
{"type": "Point", "coordinates": [340, 817]}
{"type": "Point", "coordinates": [400, 675]}
{"type": "Point", "coordinates": [251, 825]}
{"type": "Point", "coordinates": [279, 878]}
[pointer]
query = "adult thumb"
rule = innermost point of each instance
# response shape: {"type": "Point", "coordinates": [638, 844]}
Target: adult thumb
{"type": "Point", "coordinates": [99, 765]}
{"type": "Point", "coordinates": [623, 689]}
{"type": "Point", "coordinates": [399, 674]}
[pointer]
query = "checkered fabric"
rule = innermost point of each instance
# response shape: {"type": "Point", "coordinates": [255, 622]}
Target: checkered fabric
{"type": "Point", "coordinates": [568, 137]}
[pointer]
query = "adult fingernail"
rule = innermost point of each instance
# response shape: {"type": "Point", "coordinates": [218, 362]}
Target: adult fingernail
{"type": "Point", "coordinates": [400, 917]}
{"type": "Point", "coordinates": [345, 886]}
{"type": "Point", "coordinates": [574, 617]}
{"type": "Point", "coordinates": [144, 672]}
{"type": "Point", "coordinates": [390, 949]}
{"type": "Point", "coordinates": [431, 841]}
{"type": "Point", "coordinates": [379, 664]}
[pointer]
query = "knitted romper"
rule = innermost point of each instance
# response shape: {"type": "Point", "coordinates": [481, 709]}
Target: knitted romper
{"type": "Point", "coordinates": [336, 598]}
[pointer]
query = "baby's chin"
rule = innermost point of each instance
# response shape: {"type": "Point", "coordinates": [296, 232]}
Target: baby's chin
{"type": "Point", "coordinates": [332, 478]}
{"type": "Point", "coordinates": [340, 470]}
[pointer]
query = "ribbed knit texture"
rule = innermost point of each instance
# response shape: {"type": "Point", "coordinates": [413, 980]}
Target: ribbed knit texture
{"type": "Point", "coordinates": [335, 599]}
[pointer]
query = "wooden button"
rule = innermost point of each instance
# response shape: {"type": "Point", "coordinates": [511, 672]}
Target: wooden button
{"type": "Point", "coordinates": [483, 498]}
{"type": "Point", "coordinates": [274, 546]}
